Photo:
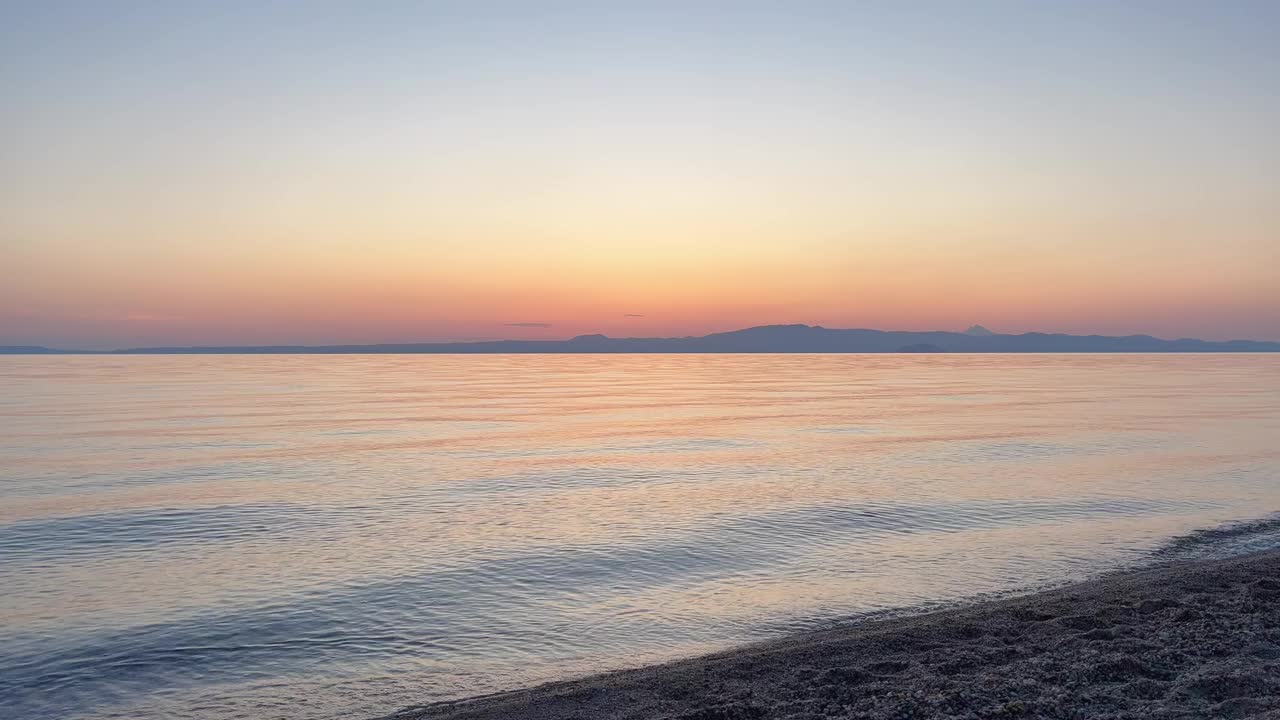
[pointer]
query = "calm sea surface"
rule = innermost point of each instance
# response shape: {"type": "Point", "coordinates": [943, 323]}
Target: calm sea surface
{"type": "Point", "coordinates": [335, 536]}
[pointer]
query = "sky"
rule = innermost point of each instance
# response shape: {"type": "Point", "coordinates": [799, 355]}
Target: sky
{"type": "Point", "coordinates": [208, 173]}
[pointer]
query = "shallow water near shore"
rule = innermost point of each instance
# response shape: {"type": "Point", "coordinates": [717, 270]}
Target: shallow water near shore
{"type": "Point", "coordinates": [336, 536]}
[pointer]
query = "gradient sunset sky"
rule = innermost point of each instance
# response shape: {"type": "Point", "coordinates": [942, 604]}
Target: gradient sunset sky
{"type": "Point", "coordinates": [316, 172]}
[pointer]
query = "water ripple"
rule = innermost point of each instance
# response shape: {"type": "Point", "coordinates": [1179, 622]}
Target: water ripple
{"type": "Point", "coordinates": [231, 537]}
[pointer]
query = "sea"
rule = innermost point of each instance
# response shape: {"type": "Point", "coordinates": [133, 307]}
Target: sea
{"type": "Point", "coordinates": [343, 536]}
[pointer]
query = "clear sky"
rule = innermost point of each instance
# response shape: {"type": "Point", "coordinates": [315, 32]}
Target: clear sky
{"type": "Point", "coordinates": [316, 172]}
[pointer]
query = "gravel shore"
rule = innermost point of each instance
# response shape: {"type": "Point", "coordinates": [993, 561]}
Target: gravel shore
{"type": "Point", "coordinates": [1192, 639]}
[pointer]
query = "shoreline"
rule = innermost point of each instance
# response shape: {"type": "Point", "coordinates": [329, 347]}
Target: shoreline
{"type": "Point", "coordinates": [1178, 639]}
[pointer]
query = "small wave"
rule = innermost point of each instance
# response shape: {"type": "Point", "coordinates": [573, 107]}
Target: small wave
{"type": "Point", "coordinates": [62, 539]}
{"type": "Point", "coordinates": [1235, 538]}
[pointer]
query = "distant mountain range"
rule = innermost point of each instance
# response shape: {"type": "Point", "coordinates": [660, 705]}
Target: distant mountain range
{"type": "Point", "coordinates": [763, 339]}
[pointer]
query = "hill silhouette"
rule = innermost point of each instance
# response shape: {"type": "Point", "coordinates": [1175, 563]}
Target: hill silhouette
{"type": "Point", "coordinates": [762, 339]}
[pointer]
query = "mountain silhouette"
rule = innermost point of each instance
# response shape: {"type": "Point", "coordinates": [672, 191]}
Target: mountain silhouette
{"type": "Point", "coordinates": [762, 339]}
{"type": "Point", "coordinates": [32, 350]}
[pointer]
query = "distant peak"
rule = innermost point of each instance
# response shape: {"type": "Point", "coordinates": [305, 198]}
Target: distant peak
{"type": "Point", "coordinates": [589, 338]}
{"type": "Point", "coordinates": [978, 330]}
{"type": "Point", "coordinates": [792, 327]}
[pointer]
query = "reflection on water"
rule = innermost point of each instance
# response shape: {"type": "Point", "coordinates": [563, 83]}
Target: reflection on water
{"type": "Point", "coordinates": [320, 536]}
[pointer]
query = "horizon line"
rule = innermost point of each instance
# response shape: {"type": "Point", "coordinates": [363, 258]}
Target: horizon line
{"type": "Point", "coordinates": [973, 333]}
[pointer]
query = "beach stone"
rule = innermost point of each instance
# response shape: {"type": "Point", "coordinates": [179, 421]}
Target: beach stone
{"type": "Point", "coordinates": [1147, 607]}
{"type": "Point", "coordinates": [1225, 686]}
{"type": "Point", "coordinates": [726, 712]}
